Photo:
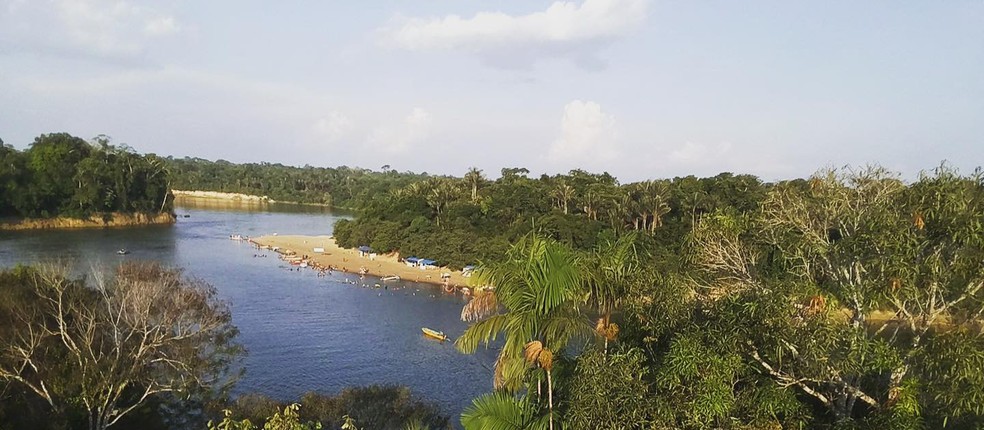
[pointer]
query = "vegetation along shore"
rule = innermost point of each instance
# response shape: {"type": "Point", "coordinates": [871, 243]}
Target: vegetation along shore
{"type": "Point", "coordinates": [850, 299]}
{"type": "Point", "coordinates": [102, 220]}
{"type": "Point", "coordinates": [62, 181]}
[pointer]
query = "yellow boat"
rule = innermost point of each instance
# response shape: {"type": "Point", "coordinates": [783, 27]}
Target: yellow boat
{"type": "Point", "coordinates": [439, 335]}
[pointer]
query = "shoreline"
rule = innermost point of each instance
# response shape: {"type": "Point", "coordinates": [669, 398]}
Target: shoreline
{"type": "Point", "coordinates": [106, 220]}
{"type": "Point", "coordinates": [349, 260]}
{"type": "Point", "coordinates": [238, 197]}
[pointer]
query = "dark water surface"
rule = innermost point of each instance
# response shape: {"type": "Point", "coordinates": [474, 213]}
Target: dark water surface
{"type": "Point", "coordinates": [303, 333]}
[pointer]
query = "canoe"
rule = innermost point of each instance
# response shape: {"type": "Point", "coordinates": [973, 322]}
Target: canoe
{"type": "Point", "coordinates": [439, 335]}
{"type": "Point", "coordinates": [390, 278]}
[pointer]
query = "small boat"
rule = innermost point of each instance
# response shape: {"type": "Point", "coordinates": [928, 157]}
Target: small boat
{"type": "Point", "coordinates": [390, 278]}
{"type": "Point", "coordinates": [439, 335]}
{"type": "Point", "coordinates": [123, 251]}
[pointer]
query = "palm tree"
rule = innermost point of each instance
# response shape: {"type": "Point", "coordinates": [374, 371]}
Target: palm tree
{"type": "Point", "coordinates": [538, 286]}
{"type": "Point", "coordinates": [440, 195]}
{"type": "Point", "coordinates": [614, 263]}
{"type": "Point", "coordinates": [654, 196]}
{"type": "Point", "coordinates": [539, 356]}
{"type": "Point", "coordinates": [564, 194]}
{"type": "Point", "coordinates": [502, 411]}
{"type": "Point", "coordinates": [473, 179]}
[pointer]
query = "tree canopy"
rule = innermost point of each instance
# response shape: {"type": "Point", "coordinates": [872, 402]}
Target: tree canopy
{"type": "Point", "coordinates": [63, 175]}
{"type": "Point", "coordinates": [848, 300]}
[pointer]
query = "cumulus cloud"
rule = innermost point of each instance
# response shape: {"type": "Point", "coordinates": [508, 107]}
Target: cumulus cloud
{"type": "Point", "coordinates": [588, 136]}
{"type": "Point", "coordinates": [401, 137]}
{"type": "Point", "coordinates": [564, 29]}
{"type": "Point", "coordinates": [100, 28]}
{"type": "Point", "coordinates": [333, 127]}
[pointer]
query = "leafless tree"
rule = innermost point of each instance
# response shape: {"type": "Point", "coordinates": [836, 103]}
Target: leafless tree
{"type": "Point", "coordinates": [149, 331]}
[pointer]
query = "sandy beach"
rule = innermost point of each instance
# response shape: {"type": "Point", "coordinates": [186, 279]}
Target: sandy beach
{"type": "Point", "coordinates": [348, 260]}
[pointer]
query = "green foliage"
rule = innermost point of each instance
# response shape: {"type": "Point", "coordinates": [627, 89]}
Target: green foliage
{"type": "Point", "coordinates": [341, 187]}
{"type": "Point", "coordinates": [457, 223]}
{"type": "Point", "coordinates": [501, 411]}
{"type": "Point", "coordinates": [848, 301]}
{"type": "Point", "coordinates": [837, 291]}
{"type": "Point", "coordinates": [372, 407]}
{"type": "Point", "coordinates": [539, 284]}
{"type": "Point", "coordinates": [288, 419]}
{"type": "Point", "coordinates": [62, 175]}
{"type": "Point", "coordinates": [609, 391]}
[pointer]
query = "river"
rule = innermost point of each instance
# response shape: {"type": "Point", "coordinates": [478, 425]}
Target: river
{"type": "Point", "coordinates": [302, 333]}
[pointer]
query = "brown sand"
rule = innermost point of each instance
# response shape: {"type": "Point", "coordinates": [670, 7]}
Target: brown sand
{"type": "Point", "coordinates": [348, 260]}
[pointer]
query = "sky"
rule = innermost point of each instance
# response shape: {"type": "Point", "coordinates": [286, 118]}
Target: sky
{"type": "Point", "coordinates": [642, 89]}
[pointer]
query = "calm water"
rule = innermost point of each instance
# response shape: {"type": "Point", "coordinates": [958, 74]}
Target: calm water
{"type": "Point", "coordinates": [302, 332]}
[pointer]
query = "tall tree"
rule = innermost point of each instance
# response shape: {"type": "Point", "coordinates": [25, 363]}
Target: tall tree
{"type": "Point", "coordinates": [864, 278]}
{"type": "Point", "coordinates": [614, 264]}
{"type": "Point", "coordinates": [539, 284]}
{"type": "Point", "coordinates": [52, 159]}
{"type": "Point", "coordinates": [109, 348]}
{"type": "Point", "coordinates": [563, 194]}
{"type": "Point", "coordinates": [474, 180]}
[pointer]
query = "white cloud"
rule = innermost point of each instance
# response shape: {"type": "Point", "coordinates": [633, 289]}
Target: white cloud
{"type": "Point", "coordinates": [400, 138]}
{"type": "Point", "coordinates": [161, 26]}
{"type": "Point", "coordinates": [333, 127]}
{"type": "Point", "coordinates": [588, 136]}
{"type": "Point", "coordinates": [101, 28]}
{"type": "Point", "coordinates": [564, 29]}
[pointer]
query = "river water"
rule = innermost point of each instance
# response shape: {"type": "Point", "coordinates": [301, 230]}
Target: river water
{"type": "Point", "coordinates": [303, 333]}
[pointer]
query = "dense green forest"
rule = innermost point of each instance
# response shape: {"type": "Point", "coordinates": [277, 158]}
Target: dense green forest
{"type": "Point", "coordinates": [851, 300]}
{"type": "Point", "coordinates": [848, 300]}
{"type": "Point", "coordinates": [472, 219]}
{"type": "Point", "coordinates": [341, 187]}
{"type": "Point", "coordinates": [63, 175]}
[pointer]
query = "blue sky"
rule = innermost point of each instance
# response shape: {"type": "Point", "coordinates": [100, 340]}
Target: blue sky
{"type": "Point", "coordinates": [638, 88]}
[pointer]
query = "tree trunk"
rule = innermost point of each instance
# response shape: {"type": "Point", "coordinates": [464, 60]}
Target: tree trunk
{"type": "Point", "coordinates": [550, 398]}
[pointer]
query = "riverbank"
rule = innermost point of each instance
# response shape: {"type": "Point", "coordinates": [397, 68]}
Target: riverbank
{"type": "Point", "coordinates": [247, 199]}
{"type": "Point", "coordinates": [108, 220]}
{"type": "Point", "coordinates": [349, 260]}
{"type": "Point", "coordinates": [216, 195]}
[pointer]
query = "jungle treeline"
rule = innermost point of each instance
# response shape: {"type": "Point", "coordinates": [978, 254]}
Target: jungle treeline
{"type": "Point", "coordinates": [462, 221]}
{"type": "Point", "coordinates": [60, 175]}
{"type": "Point", "coordinates": [339, 187]}
{"type": "Point", "coordinates": [848, 300]}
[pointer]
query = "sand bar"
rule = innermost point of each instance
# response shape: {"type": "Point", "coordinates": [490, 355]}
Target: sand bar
{"type": "Point", "coordinates": [348, 260]}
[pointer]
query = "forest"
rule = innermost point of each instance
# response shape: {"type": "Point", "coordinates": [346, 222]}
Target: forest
{"type": "Point", "coordinates": [341, 187]}
{"type": "Point", "coordinates": [851, 299]}
{"type": "Point", "coordinates": [60, 175]}
{"type": "Point", "coordinates": [462, 221]}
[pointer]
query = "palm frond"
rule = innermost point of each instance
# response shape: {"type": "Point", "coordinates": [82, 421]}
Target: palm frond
{"type": "Point", "coordinates": [495, 411]}
{"type": "Point", "coordinates": [484, 331]}
{"type": "Point", "coordinates": [482, 306]}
